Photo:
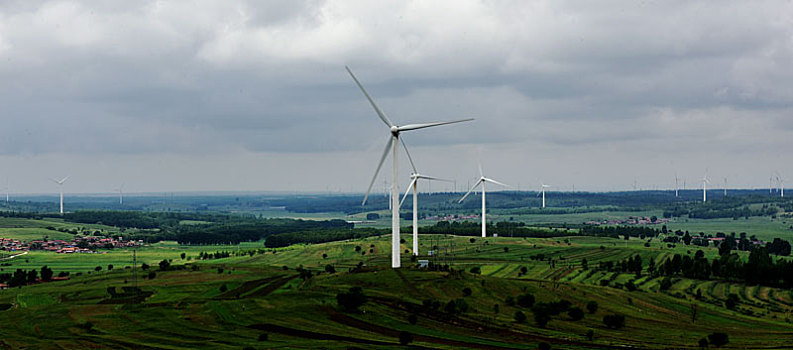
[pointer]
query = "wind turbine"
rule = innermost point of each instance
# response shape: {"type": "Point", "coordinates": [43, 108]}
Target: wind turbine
{"type": "Point", "coordinates": [120, 191]}
{"type": "Point", "coordinates": [676, 184]}
{"type": "Point", "coordinates": [415, 176]}
{"type": "Point", "coordinates": [60, 187]}
{"type": "Point", "coordinates": [780, 181]}
{"type": "Point", "coordinates": [482, 180]}
{"type": "Point", "coordinates": [705, 183]}
{"type": "Point", "coordinates": [393, 145]}
{"type": "Point", "coordinates": [542, 190]}
{"type": "Point", "coordinates": [725, 186]}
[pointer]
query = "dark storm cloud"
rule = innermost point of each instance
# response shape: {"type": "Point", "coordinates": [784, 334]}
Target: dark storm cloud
{"type": "Point", "coordinates": [152, 78]}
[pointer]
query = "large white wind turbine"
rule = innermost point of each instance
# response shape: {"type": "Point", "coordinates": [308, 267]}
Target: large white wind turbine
{"type": "Point", "coordinates": [60, 188]}
{"type": "Point", "coordinates": [676, 184]}
{"type": "Point", "coordinates": [393, 145]}
{"type": "Point", "coordinates": [542, 191]}
{"type": "Point", "coordinates": [415, 176]}
{"type": "Point", "coordinates": [482, 180]}
{"type": "Point", "coordinates": [725, 186]}
{"type": "Point", "coordinates": [705, 182]}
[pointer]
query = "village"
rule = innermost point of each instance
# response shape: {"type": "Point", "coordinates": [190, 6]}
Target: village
{"type": "Point", "coordinates": [88, 245]}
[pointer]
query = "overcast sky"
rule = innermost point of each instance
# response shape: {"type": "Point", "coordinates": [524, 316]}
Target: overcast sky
{"type": "Point", "coordinates": [253, 96]}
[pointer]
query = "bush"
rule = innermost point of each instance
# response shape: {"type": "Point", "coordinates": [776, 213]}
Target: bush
{"type": "Point", "coordinates": [575, 313]}
{"type": "Point", "coordinates": [614, 321]}
{"type": "Point", "coordinates": [223, 288]}
{"type": "Point", "coordinates": [405, 337]}
{"type": "Point", "coordinates": [526, 300]}
{"type": "Point", "coordinates": [152, 274]}
{"type": "Point", "coordinates": [476, 270]}
{"type": "Point", "coordinates": [466, 292]}
{"type": "Point", "coordinates": [456, 306]}
{"type": "Point", "coordinates": [703, 343]}
{"type": "Point", "coordinates": [592, 306]}
{"type": "Point", "coordinates": [263, 337]}
{"type": "Point", "coordinates": [590, 334]}
{"type": "Point", "coordinates": [520, 317]}
{"type": "Point", "coordinates": [630, 286]}
{"type": "Point", "coordinates": [544, 346]}
{"type": "Point", "coordinates": [718, 338]}
{"type": "Point", "coordinates": [352, 300]}
{"type": "Point", "coordinates": [666, 283]}
{"type": "Point", "coordinates": [330, 269]}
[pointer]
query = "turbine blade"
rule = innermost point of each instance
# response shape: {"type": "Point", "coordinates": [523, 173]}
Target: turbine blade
{"type": "Point", "coordinates": [471, 190]}
{"type": "Point", "coordinates": [427, 125]}
{"type": "Point", "coordinates": [409, 157]}
{"type": "Point", "coordinates": [380, 113]}
{"type": "Point", "coordinates": [496, 182]}
{"type": "Point", "coordinates": [64, 180]}
{"type": "Point", "coordinates": [433, 178]}
{"type": "Point", "coordinates": [380, 165]}
{"type": "Point", "coordinates": [410, 187]}
{"type": "Point", "coordinates": [481, 174]}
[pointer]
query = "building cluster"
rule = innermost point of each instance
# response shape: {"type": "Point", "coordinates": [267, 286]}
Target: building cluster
{"type": "Point", "coordinates": [453, 217]}
{"type": "Point", "coordinates": [631, 220]}
{"type": "Point", "coordinates": [77, 245]}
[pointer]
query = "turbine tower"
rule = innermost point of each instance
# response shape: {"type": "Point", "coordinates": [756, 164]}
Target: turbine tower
{"type": "Point", "coordinates": [393, 146]}
{"type": "Point", "coordinates": [120, 191]}
{"type": "Point", "coordinates": [482, 180]}
{"type": "Point", "coordinates": [705, 183]}
{"type": "Point", "coordinates": [542, 191]}
{"type": "Point", "coordinates": [780, 182]}
{"type": "Point", "coordinates": [725, 186]}
{"type": "Point", "coordinates": [676, 184]}
{"type": "Point", "coordinates": [415, 176]}
{"type": "Point", "coordinates": [60, 188]}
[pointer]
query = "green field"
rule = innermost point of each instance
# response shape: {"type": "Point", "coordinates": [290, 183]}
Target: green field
{"type": "Point", "coordinates": [188, 308]}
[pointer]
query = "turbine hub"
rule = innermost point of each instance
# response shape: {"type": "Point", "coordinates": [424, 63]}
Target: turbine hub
{"type": "Point", "coordinates": [394, 130]}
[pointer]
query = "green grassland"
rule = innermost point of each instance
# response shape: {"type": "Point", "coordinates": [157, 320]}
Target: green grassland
{"type": "Point", "coordinates": [189, 309]}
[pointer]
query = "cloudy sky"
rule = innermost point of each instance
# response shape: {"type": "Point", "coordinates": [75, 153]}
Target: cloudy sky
{"type": "Point", "coordinates": [253, 96]}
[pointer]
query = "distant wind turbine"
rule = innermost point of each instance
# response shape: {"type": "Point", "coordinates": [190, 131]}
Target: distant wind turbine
{"type": "Point", "coordinates": [725, 186]}
{"type": "Point", "coordinates": [60, 188]}
{"type": "Point", "coordinates": [482, 180]}
{"type": "Point", "coordinates": [415, 176]}
{"type": "Point", "coordinates": [120, 191]}
{"type": "Point", "coordinates": [705, 183]}
{"type": "Point", "coordinates": [542, 191]}
{"type": "Point", "coordinates": [393, 145]}
{"type": "Point", "coordinates": [676, 184]}
{"type": "Point", "coordinates": [781, 183]}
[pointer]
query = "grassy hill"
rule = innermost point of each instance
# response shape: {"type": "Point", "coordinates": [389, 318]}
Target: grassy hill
{"type": "Point", "coordinates": [229, 303]}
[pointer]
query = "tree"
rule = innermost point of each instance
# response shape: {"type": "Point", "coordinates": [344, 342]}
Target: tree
{"type": "Point", "coordinates": [703, 343]}
{"type": "Point", "coordinates": [575, 313]}
{"type": "Point", "coordinates": [164, 265]}
{"type": "Point", "coordinates": [590, 334]}
{"type": "Point", "coordinates": [412, 319]}
{"type": "Point", "coordinates": [223, 288]}
{"type": "Point", "coordinates": [98, 268]}
{"type": "Point", "coordinates": [544, 346]}
{"type": "Point", "coordinates": [466, 292]}
{"type": "Point", "coordinates": [144, 266]}
{"type": "Point", "coordinates": [405, 337]}
{"type": "Point", "coordinates": [351, 300]}
{"type": "Point", "coordinates": [614, 321]}
{"type": "Point", "coordinates": [330, 269]}
{"type": "Point", "coordinates": [110, 267]}
{"type": "Point", "coordinates": [718, 338]}
{"type": "Point", "coordinates": [519, 316]}
{"type": "Point", "coordinates": [46, 273]}
{"type": "Point", "coordinates": [152, 274]}
{"type": "Point", "coordinates": [592, 306]}
{"type": "Point", "coordinates": [183, 255]}
{"type": "Point", "coordinates": [526, 300]}
{"type": "Point", "coordinates": [32, 275]}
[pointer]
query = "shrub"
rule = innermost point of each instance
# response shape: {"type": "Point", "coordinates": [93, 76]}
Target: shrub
{"type": "Point", "coordinates": [703, 343]}
{"type": "Point", "coordinates": [330, 269]}
{"type": "Point", "coordinates": [466, 292]}
{"type": "Point", "coordinates": [575, 313]}
{"type": "Point", "coordinates": [544, 346]}
{"type": "Point", "coordinates": [405, 337]}
{"type": "Point", "coordinates": [351, 300]}
{"type": "Point", "coordinates": [590, 334]}
{"type": "Point", "coordinates": [475, 270]}
{"type": "Point", "coordinates": [223, 288]}
{"type": "Point", "coordinates": [592, 306]}
{"type": "Point", "coordinates": [152, 274]}
{"type": "Point", "coordinates": [614, 321]}
{"type": "Point", "coordinates": [519, 316]}
{"type": "Point", "coordinates": [666, 283]}
{"type": "Point", "coordinates": [526, 300]}
{"type": "Point", "coordinates": [718, 338]}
